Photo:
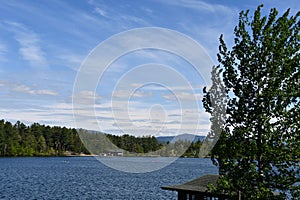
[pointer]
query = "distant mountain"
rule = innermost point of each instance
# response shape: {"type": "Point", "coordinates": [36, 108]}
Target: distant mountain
{"type": "Point", "coordinates": [189, 137]}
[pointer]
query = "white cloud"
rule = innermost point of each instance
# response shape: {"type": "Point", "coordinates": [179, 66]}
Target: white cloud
{"type": "Point", "coordinates": [200, 6]}
{"type": "Point", "coordinates": [29, 41]}
{"type": "Point", "coordinates": [101, 12]}
{"type": "Point", "coordinates": [32, 53]}
{"type": "Point", "coordinates": [85, 97]}
{"type": "Point", "coordinates": [148, 10]}
{"type": "Point", "coordinates": [118, 15]}
{"type": "Point", "coordinates": [134, 19]}
{"type": "Point", "coordinates": [156, 87]}
{"type": "Point", "coordinates": [42, 115]}
{"type": "Point", "coordinates": [128, 94]}
{"type": "Point", "coordinates": [183, 96]}
{"type": "Point", "coordinates": [46, 92]}
{"type": "Point", "coordinates": [28, 90]}
{"type": "Point", "coordinates": [138, 118]}
{"type": "Point", "coordinates": [71, 60]}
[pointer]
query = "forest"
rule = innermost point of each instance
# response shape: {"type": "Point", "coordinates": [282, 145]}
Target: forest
{"type": "Point", "coordinates": [38, 140]}
{"type": "Point", "coordinates": [42, 140]}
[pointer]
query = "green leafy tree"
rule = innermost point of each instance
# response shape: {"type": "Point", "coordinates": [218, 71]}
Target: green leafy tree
{"type": "Point", "coordinates": [259, 146]}
{"type": "Point", "coordinates": [2, 138]}
{"type": "Point", "coordinates": [42, 146]}
{"type": "Point", "coordinates": [12, 138]}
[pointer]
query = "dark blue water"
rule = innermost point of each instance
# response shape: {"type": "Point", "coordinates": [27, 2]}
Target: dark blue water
{"type": "Point", "coordinates": [87, 178]}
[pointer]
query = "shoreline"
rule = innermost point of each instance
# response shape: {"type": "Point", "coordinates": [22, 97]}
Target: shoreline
{"type": "Point", "coordinates": [64, 156]}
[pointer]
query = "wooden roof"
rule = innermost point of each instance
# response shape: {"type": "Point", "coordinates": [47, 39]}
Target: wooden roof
{"type": "Point", "coordinates": [196, 185]}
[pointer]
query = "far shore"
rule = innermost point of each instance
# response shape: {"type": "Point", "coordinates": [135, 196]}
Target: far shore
{"type": "Point", "coordinates": [90, 155]}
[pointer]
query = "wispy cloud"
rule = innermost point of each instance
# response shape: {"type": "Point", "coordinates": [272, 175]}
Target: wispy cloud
{"type": "Point", "coordinates": [101, 12]}
{"type": "Point", "coordinates": [48, 115]}
{"type": "Point", "coordinates": [127, 94]}
{"type": "Point", "coordinates": [57, 35]}
{"type": "Point", "coordinates": [185, 96]}
{"type": "Point", "coordinates": [28, 90]}
{"type": "Point", "coordinates": [29, 42]}
{"type": "Point", "coordinates": [3, 51]}
{"type": "Point", "coordinates": [119, 15]}
{"type": "Point", "coordinates": [213, 19]}
{"type": "Point", "coordinates": [71, 60]}
{"type": "Point", "coordinates": [138, 117]}
{"type": "Point", "coordinates": [200, 6]}
{"type": "Point", "coordinates": [141, 121]}
{"type": "Point", "coordinates": [85, 97]}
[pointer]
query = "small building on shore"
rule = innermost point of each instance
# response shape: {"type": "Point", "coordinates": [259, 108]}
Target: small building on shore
{"type": "Point", "coordinates": [111, 153]}
{"type": "Point", "coordinates": [197, 189]}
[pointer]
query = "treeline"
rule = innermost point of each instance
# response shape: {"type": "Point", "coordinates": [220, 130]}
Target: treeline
{"type": "Point", "coordinates": [38, 140]}
{"type": "Point", "coordinates": [183, 148]}
{"type": "Point", "coordinates": [193, 150]}
{"type": "Point", "coordinates": [99, 143]}
{"type": "Point", "coordinates": [145, 144]}
{"type": "Point", "coordinates": [130, 143]}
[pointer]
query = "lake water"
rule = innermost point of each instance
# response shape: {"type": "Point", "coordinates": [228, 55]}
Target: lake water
{"type": "Point", "coordinates": [87, 178]}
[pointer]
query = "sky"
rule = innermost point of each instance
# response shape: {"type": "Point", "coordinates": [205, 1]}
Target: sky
{"type": "Point", "coordinates": [44, 46]}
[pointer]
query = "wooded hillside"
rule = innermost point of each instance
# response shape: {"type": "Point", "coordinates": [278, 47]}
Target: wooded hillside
{"type": "Point", "coordinates": [41, 140]}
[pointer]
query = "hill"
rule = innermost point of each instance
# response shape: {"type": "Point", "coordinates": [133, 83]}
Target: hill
{"type": "Point", "coordinates": [166, 139]}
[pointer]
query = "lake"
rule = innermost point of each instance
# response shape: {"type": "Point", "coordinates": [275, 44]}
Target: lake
{"type": "Point", "coordinates": [87, 178]}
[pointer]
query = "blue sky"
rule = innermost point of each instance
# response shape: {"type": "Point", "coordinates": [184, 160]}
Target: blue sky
{"type": "Point", "coordinates": [43, 43]}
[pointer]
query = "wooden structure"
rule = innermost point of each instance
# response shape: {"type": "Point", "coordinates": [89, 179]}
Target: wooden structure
{"type": "Point", "coordinates": [197, 189]}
